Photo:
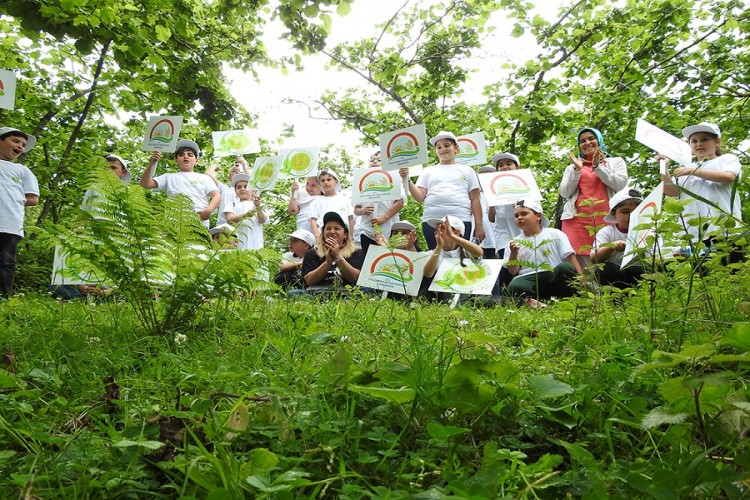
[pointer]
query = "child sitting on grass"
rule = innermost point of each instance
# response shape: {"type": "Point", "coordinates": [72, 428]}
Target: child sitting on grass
{"type": "Point", "coordinates": [610, 241]}
{"type": "Point", "coordinates": [540, 259]}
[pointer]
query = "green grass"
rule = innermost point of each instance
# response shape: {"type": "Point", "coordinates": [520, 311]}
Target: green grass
{"type": "Point", "coordinates": [357, 398]}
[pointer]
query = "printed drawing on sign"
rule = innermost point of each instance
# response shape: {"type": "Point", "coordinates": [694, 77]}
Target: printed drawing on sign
{"type": "Point", "coordinates": [395, 267]}
{"type": "Point", "coordinates": [509, 184]}
{"type": "Point", "coordinates": [299, 162]}
{"type": "Point", "coordinates": [643, 214]}
{"type": "Point", "coordinates": [402, 145]}
{"type": "Point", "coordinates": [504, 188]}
{"type": "Point", "coordinates": [376, 181]}
{"type": "Point", "coordinates": [393, 271]}
{"type": "Point", "coordinates": [467, 148]}
{"type": "Point", "coordinates": [474, 277]}
{"type": "Point", "coordinates": [162, 131]}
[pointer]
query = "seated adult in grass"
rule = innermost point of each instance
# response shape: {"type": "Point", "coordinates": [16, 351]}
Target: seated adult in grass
{"type": "Point", "coordinates": [610, 241]}
{"type": "Point", "coordinates": [334, 257]}
{"type": "Point", "coordinates": [540, 259]}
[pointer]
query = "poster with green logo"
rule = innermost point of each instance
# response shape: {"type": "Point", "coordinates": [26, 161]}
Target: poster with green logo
{"type": "Point", "coordinates": [235, 142]}
{"type": "Point", "coordinates": [299, 162]}
{"type": "Point", "coordinates": [7, 89]}
{"type": "Point", "coordinates": [162, 134]}
{"type": "Point", "coordinates": [475, 277]}
{"type": "Point", "coordinates": [265, 173]}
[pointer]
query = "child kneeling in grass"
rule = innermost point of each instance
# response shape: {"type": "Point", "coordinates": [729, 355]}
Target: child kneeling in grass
{"type": "Point", "coordinates": [610, 241]}
{"type": "Point", "coordinates": [540, 259]}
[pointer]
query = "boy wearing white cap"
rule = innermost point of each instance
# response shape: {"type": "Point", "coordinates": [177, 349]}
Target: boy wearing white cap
{"type": "Point", "coordinates": [289, 275]}
{"type": "Point", "coordinates": [611, 240]}
{"type": "Point", "coordinates": [330, 201]}
{"type": "Point", "coordinates": [247, 213]}
{"type": "Point", "coordinates": [447, 189]}
{"type": "Point", "coordinates": [18, 189]}
{"type": "Point", "coordinates": [711, 177]}
{"type": "Point", "coordinates": [200, 188]}
{"type": "Point", "coordinates": [540, 259]}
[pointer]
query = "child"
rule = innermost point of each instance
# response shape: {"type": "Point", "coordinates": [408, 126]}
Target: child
{"type": "Point", "coordinates": [407, 230]}
{"type": "Point", "coordinates": [119, 167]}
{"type": "Point", "coordinates": [225, 236]}
{"type": "Point", "coordinates": [331, 201]}
{"type": "Point", "coordinates": [502, 216]}
{"type": "Point", "coordinates": [301, 202]}
{"type": "Point", "coordinates": [200, 188]}
{"type": "Point", "coordinates": [540, 259]}
{"type": "Point", "coordinates": [488, 243]}
{"type": "Point", "coordinates": [449, 243]}
{"type": "Point", "coordinates": [289, 275]}
{"type": "Point", "coordinates": [381, 213]}
{"type": "Point", "coordinates": [225, 190]}
{"type": "Point", "coordinates": [247, 211]}
{"type": "Point", "coordinates": [447, 189]}
{"type": "Point", "coordinates": [609, 244]}
{"type": "Point", "coordinates": [18, 189]}
{"type": "Point", "coordinates": [711, 178]}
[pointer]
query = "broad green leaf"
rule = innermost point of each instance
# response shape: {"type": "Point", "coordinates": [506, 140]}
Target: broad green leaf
{"type": "Point", "coordinates": [441, 432]}
{"type": "Point", "coordinates": [662, 415]}
{"type": "Point", "coordinates": [399, 396]}
{"type": "Point", "coordinates": [544, 386]}
{"type": "Point", "coordinates": [738, 336]}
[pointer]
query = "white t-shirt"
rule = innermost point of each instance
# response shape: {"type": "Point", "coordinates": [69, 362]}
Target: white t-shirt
{"type": "Point", "coordinates": [610, 234]}
{"type": "Point", "coordinates": [448, 188]}
{"type": "Point", "coordinates": [290, 257]}
{"type": "Point", "coordinates": [505, 227]}
{"type": "Point", "coordinates": [551, 246]}
{"type": "Point", "coordinates": [489, 235]}
{"type": "Point", "coordinates": [194, 185]}
{"type": "Point", "coordinates": [16, 181]}
{"type": "Point", "coordinates": [249, 231]}
{"type": "Point", "coordinates": [337, 203]}
{"type": "Point", "coordinates": [364, 224]}
{"type": "Point", "coordinates": [719, 193]}
{"type": "Point", "coordinates": [228, 197]}
{"type": "Point", "coordinates": [305, 202]}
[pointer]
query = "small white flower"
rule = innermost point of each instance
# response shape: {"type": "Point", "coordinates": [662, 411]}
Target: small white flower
{"type": "Point", "coordinates": [180, 338]}
{"type": "Point", "coordinates": [93, 340]}
{"type": "Point", "coordinates": [344, 338]}
{"type": "Point", "coordinates": [372, 299]}
{"type": "Point", "coordinates": [413, 305]}
{"type": "Point", "coordinates": [269, 299]}
{"type": "Point", "coordinates": [463, 322]}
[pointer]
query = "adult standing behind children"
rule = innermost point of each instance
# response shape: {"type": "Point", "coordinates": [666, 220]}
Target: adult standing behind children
{"type": "Point", "coordinates": [200, 188]}
{"type": "Point", "coordinates": [331, 201]}
{"type": "Point", "coordinates": [593, 174]}
{"type": "Point", "coordinates": [382, 213]}
{"type": "Point", "coordinates": [301, 202]}
{"type": "Point", "coordinates": [447, 189]}
{"type": "Point", "coordinates": [18, 189]}
{"type": "Point", "coordinates": [711, 177]}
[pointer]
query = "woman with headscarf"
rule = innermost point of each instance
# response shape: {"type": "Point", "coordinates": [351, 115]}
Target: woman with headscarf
{"type": "Point", "coordinates": [593, 175]}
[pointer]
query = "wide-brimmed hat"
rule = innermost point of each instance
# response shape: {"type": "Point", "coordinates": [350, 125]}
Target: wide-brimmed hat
{"type": "Point", "coordinates": [444, 135]}
{"type": "Point", "coordinates": [30, 139]}
{"type": "Point", "coordinates": [454, 221]}
{"type": "Point", "coordinates": [619, 198]}
{"type": "Point", "coordinates": [128, 176]}
{"type": "Point", "coordinates": [535, 206]}
{"type": "Point", "coordinates": [303, 235]}
{"type": "Point", "coordinates": [505, 156]}
{"type": "Point", "coordinates": [334, 216]}
{"type": "Point", "coordinates": [701, 127]}
{"type": "Point", "coordinates": [403, 225]}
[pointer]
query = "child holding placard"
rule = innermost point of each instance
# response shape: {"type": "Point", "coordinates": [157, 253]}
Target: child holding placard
{"type": "Point", "coordinates": [610, 241]}
{"type": "Point", "coordinates": [247, 213]}
{"type": "Point", "coordinates": [382, 214]}
{"type": "Point", "coordinates": [18, 189]}
{"type": "Point", "coordinates": [540, 259]}
{"type": "Point", "coordinates": [301, 202]}
{"type": "Point", "coordinates": [711, 177]}
{"type": "Point", "coordinates": [200, 188]}
{"type": "Point", "coordinates": [447, 188]}
{"type": "Point", "coordinates": [501, 217]}
{"type": "Point", "coordinates": [225, 190]}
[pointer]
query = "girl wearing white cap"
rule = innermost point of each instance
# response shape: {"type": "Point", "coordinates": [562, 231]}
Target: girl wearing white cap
{"type": "Point", "coordinates": [711, 177]}
{"type": "Point", "coordinates": [447, 189]}
{"type": "Point", "coordinates": [540, 259]}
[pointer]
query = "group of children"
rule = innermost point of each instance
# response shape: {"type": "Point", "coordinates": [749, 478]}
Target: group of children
{"type": "Point", "coordinates": [332, 235]}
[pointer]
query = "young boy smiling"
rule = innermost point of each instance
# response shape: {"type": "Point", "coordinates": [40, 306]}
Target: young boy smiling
{"type": "Point", "coordinates": [18, 189]}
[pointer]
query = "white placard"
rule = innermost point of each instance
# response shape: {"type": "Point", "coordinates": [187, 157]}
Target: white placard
{"type": "Point", "coordinates": [162, 133]}
{"type": "Point", "coordinates": [7, 89]}
{"type": "Point", "coordinates": [471, 150]}
{"type": "Point", "coordinates": [297, 163]}
{"type": "Point", "coordinates": [235, 142]}
{"type": "Point", "coordinates": [509, 186]}
{"type": "Point", "coordinates": [398, 271]}
{"type": "Point", "coordinates": [642, 214]}
{"type": "Point", "coordinates": [371, 185]}
{"type": "Point", "coordinates": [265, 173]}
{"type": "Point", "coordinates": [663, 142]}
{"type": "Point", "coordinates": [475, 277]}
{"type": "Point", "coordinates": [63, 274]}
{"type": "Point", "coordinates": [405, 147]}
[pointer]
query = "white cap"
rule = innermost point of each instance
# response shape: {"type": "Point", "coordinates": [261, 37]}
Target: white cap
{"type": "Point", "coordinates": [486, 169]}
{"type": "Point", "coordinates": [618, 198]}
{"type": "Point", "coordinates": [128, 176]}
{"type": "Point", "coordinates": [186, 143]}
{"type": "Point", "coordinates": [701, 127]}
{"type": "Point", "coordinates": [221, 228]}
{"type": "Point", "coordinates": [454, 221]}
{"type": "Point", "coordinates": [328, 171]}
{"type": "Point", "coordinates": [30, 139]}
{"type": "Point", "coordinates": [239, 177]}
{"type": "Point", "coordinates": [444, 135]}
{"type": "Point", "coordinates": [403, 225]}
{"type": "Point", "coordinates": [304, 235]}
{"type": "Point", "coordinates": [536, 206]}
{"type": "Point", "coordinates": [505, 156]}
